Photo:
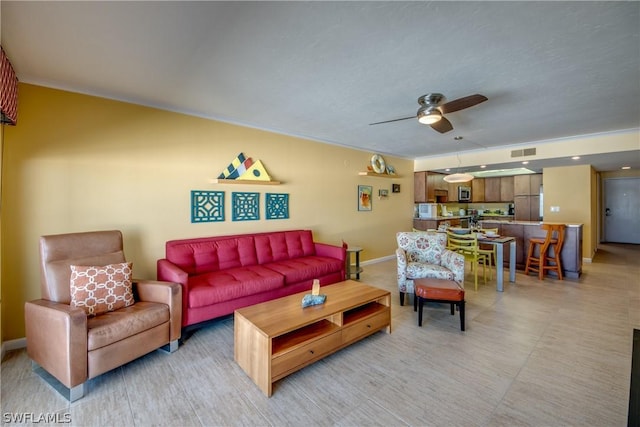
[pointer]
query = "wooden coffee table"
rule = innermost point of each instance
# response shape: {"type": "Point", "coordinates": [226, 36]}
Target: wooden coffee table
{"type": "Point", "coordinates": [279, 337]}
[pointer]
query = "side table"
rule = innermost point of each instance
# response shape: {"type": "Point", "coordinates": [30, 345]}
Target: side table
{"type": "Point", "coordinates": [355, 268]}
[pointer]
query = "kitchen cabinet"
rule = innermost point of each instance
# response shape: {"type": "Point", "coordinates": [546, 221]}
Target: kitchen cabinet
{"type": "Point", "coordinates": [527, 185]}
{"type": "Point", "coordinates": [477, 190]}
{"type": "Point", "coordinates": [535, 184]}
{"type": "Point", "coordinates": [420, 187]}
{"type": "Point", "coordinates": [506, 189]}
{"type": "Point", "coordinates": [492, 189]}
{"type": "Point", "coordinates": [453, 191]}
{"type": "Point", "coordinates": [429, 187]}
{"type": "Point", "coordinates": [527, 208]}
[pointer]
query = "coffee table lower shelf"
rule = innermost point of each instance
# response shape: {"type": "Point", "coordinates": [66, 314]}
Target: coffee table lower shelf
{"type": "Point", "coordinates": [279, 337]}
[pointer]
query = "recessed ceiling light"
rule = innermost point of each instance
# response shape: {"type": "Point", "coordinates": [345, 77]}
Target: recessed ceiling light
{"type": "Point", "coordinates": [483, 166]}
{"type": "Point", "coordinates": [447, 170]}
{"type": "Point", "coordinates": [575, 158]}
{"type": "Point", "coordinates": [457, 138]}
{"type": "Point", "coordinates": [525, 163]}
{"type": "Point", "coordinates": [626, 167]}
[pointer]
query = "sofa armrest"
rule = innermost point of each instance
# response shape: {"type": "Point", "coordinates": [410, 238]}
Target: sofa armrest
{"type": "Point", "coordinates": [454, 262]}
{"type": "Point", "coordinates": [57, 339]}
{"type": "Point", "coordinates": [169, 272]}
{"type": "Point", "coordinates": [331, 251]}
{"type": "Point", "coordinates": [165, 293]}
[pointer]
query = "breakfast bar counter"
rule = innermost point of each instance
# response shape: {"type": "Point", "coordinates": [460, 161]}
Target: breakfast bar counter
{"type": "Point", "coordinates": [523, 231]}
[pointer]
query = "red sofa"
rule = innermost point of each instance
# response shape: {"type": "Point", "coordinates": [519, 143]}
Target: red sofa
{"type": "Point", "coordinates": [223, 273]}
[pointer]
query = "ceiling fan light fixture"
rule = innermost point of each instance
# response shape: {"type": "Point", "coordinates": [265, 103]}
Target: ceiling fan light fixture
{"type": "Point", "coordinates": [458, 177]}
{"type": "Point", "coordinates": [429, 115]}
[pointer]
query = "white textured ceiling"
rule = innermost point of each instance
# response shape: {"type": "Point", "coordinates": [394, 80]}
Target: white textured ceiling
{"type": "Point", "coordinates": [325, 70]}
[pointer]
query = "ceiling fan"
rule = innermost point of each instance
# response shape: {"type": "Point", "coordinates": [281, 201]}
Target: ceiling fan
{"type": "Point", "coordinates": [432, 109]}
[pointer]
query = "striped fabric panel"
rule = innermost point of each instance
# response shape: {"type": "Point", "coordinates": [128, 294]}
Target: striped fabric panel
{"type": "Point", "coordinates": [8, 91]}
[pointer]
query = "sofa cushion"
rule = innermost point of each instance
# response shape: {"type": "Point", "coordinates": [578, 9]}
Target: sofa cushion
{"type": "Point", "coordinates": [117, 325]}
{"type": "Point", "coordinates": [273, 247]}
{"type": "Point", "coordinates": [205, 255]}
{"type": "Point", "coordinates": [419, 270]}
{"type": "Point", "coordinates": [305, 268]}
{"type": "Point", "coordinates": [218, 286]}
{"type": "Point", "coordinates": [99, 289]}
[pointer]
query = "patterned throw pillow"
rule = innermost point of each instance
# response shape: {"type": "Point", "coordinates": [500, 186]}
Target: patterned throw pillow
{"type": "Point", "coordinates": [101, 289]}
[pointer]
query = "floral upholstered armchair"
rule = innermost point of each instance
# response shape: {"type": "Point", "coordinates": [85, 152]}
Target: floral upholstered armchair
{"type": "Point", "coordinates": [425, 254]}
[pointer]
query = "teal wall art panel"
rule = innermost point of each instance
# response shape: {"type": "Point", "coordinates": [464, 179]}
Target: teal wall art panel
{"type": "Point", "coordinates": [245, 206]}
{"type": "Point", "coordinates": [207, 206]}
{"type": "Point", "coordinates": [277, 206]}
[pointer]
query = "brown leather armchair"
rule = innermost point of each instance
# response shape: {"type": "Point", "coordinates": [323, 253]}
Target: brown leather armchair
{"type": "Point", "coordinates": [71, 346]}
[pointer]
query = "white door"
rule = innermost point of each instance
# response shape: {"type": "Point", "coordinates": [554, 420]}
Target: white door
{"type": "Point", "coordinates": [622, 210]}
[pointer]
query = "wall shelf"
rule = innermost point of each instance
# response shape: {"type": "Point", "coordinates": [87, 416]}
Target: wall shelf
{"type": "Point", "coordinates": [243, 181]}
{"type": "Point", "coordinates": [379, 175]}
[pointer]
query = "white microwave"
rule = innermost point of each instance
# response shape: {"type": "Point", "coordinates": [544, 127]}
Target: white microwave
{"type": "Point", "coordinates": [464, 194]}
{"type": "Point", "coordinates": [427, 210]}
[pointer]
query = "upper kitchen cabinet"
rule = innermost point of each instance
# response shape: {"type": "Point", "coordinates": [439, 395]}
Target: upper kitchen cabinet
{"type": "Point", "coordinates": [429, 187]}
{"type": "Point", "coordinates": [453, 191]}
{"type": "Point", "coordinates": [527, 185]}
{"type": "Point", "coordinates": [477, 190]}
{"type": "Point", "coordinates": [420, 187]}
{"type": "Point", "coordinates": [506, 189]}
{"type": "Point", "coordinates": [492, 189]}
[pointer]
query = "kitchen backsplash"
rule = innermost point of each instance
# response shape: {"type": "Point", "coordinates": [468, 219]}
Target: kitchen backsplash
{"type": "Point", "coordinates": [493, 207]}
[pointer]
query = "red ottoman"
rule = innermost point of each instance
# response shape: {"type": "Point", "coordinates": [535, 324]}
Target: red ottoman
{"type": "Point", "coordinates": [438, 290]}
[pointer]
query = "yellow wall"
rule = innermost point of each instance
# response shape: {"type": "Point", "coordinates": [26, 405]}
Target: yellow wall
{"type": "Point", "coordinates": [77, 163]}
{"type": "Point", "coordinates": [573, 189]}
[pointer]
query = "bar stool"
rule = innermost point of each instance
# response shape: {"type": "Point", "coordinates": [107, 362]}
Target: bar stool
{"type": "Point", "coordinates": [553, 240]}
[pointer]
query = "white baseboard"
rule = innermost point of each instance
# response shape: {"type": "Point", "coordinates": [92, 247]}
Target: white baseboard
{"type": "Point", "coordinates": [12, 345]}
{"type": "Point", "coordinates": [377, 260]}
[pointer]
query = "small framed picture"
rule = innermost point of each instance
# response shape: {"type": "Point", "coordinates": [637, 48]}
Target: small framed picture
{"type": "Point", "coordinates": [395, 188]}
{"type": "Point", "coordinates": [364, 197]}
{"type": "Point", "coordinates": [383, 193]}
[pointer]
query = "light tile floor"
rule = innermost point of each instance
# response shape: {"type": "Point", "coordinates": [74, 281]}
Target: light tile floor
{"type": "Point", "coordinates": [542, 353]}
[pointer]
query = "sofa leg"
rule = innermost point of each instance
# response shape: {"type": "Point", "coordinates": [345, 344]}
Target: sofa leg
{"type": "Point", "coordinates": [171, 347]}
{"type": "Point", "coordinates": [71, 394]}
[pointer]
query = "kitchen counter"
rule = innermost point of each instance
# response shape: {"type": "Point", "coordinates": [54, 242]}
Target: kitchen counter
{"type": "Point", "coordinates": [523, 231]}
{"type": "Point", "coordinates": [425, 224]}
{"type": "Point", "coordinates": [495, 216]}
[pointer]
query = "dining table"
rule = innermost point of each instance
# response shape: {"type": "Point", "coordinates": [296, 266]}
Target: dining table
{"type": "Point", "coordinates": [499, 242]}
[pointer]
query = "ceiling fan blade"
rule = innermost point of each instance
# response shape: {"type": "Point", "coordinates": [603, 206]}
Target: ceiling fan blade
{"type": "Point", "coordinates": [394, 120]}
{"type": "Point", "coordinates": [443, 125]}
{"type": "Point", "coordinates": [462, 103]}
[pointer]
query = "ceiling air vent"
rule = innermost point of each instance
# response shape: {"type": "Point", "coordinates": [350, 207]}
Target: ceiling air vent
{"type": "Point", "coordinates": [523, 152]}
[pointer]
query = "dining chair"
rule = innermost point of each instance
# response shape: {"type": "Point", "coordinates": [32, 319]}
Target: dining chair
{"type": "Point", "coordinates": [468, 246]}
{"type": "Point", "coordinates": [491, 251]}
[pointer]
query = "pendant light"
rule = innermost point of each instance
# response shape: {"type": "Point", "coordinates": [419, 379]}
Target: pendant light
{"type": "Point", "coordinates": [458, 177]}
